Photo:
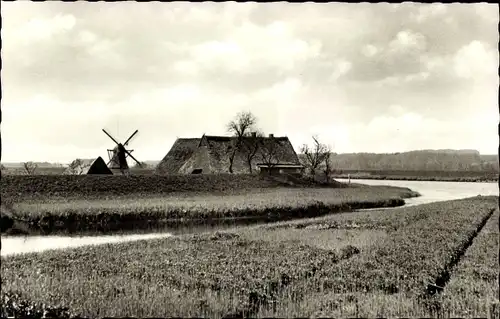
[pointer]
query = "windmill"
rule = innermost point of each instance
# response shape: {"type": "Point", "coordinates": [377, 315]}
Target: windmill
{"type": "Point", "coordinates": [118, 155]}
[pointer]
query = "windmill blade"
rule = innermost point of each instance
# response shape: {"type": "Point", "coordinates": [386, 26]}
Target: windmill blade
{"type": "Point", "coordinates": [109, 136]}
{"type": "Point", "coordinates": [139, 163]}
{"type": "Point", "coordinates": [128, 140]}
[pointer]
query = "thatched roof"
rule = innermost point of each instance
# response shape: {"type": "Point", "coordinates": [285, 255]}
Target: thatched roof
{"type": "Point", "coordinates": [180, 152]}
{"type": "Point", "coordinates": [212, 153]}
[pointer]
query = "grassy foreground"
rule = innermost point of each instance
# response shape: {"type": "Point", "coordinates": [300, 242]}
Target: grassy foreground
{"type": "Point", "coordinates": [62, 215]}
{"type": "Point", "coordinates": [361, 264]}
{"type": "Point", "coordinates": [473, 289]}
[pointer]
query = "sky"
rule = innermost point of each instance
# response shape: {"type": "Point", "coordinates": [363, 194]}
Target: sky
{"type": "Point", "coordinates": [362, 77]}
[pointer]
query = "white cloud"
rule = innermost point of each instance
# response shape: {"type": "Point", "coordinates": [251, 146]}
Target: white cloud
{"type": "Point", "coordinates": [186, 68]}
{"type": "Point", "coordinates": [388, 81]}
{"type": "Point", "coordinates": [336, 136]}
{"type": "Point", "coordinates": [426, 11]}
{"type": "Point", "coordinates": [86, 37]}
{"type": "Point", "coordinates": [281, 92]}
{"type": "Point", "coordinates": [407, 40]}
{"type": "Point", "coordinates": [369, 50]}
{"type": "Point", "coordinates": [396, 109]}
{"type": "Point", "coordinates": [366, 77]}
{"type": "Point", "coordinates": [420, 77]}
{"type": "Point", "coordinates": [342, 67]}
{"type": "Point", "coordinates": [433, 63]}
{"type": "Point", "coordinates": [251, 47]}
{"type": "Point", "coordinates": [163, 99]}
{"type": "Point", "coordinates": [410, 131]}
{"type": "Point", "coordinates": [475, 60]}
{"type": "Point", "coordinates": [42, 29]}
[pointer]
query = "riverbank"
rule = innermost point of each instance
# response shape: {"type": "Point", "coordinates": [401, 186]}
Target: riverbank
{"type": "Point", "coordinates": [421, 176]}
{"type": "Point", "coordinates": [422, 179]}
{"type": "Point", "coordinates": [361, 264]}
{"type": "Point", "coordinates": [60, 215]}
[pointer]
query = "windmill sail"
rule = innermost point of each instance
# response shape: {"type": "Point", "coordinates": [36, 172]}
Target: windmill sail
{"type": "Point", "coordinates": [118, 155]}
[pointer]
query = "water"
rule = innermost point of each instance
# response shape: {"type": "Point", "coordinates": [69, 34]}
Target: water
{"type": "Point", "coordinates": [24, 244]}
{"type": "Point", "coordinates": [430, 191]}
{"type": "Point", "coordinates": [435, 191]}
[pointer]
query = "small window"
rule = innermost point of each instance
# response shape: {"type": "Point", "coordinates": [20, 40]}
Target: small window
{"type": "Point", "coordinates": [197, 171]}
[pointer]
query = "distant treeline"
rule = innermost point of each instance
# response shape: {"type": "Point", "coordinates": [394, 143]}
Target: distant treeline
{"type": "Point", "coordinates": [425, 160]}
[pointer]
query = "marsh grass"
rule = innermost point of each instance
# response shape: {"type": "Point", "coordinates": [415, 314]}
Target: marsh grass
{"type": "Point", "coordinates": [201, 269]}
{"type": "Point", "coordinates": [334, 239]}
{"type": "Point", "coordinates": [473, 288]}
{"type": "Point", "coordinates": [113, 214]}
{"type": "Point", "coordinates": [259, 200]}
{"type": "Point", "coordinates": [348, 305]}
{"type": "Point", "coordinates": [279, 272]}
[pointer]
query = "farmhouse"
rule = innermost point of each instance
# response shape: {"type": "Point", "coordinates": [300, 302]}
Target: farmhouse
{"type": "Point", "coordinates": [212, 155]}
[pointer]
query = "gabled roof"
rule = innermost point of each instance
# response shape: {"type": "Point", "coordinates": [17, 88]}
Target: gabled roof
{"type": "Point", "coordinates": [219, 150]}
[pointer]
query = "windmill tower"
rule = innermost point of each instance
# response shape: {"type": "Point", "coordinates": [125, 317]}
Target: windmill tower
{"type": "Point", "coordinates": [118, 155]}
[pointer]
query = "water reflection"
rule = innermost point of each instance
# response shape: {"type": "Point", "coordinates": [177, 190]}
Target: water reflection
{"type": "Point", "coordinates": [19, 244]}
{"type": "Point", "coordinates": [27, 244]}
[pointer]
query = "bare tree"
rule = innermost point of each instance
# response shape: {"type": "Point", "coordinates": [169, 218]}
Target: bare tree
{"type": "Point", "coordinates": [77, 167]}
{"type": "Point", "coordinates": [30, 168]}
{"type": "Point", "coordinates": [239, 127]}
{"type": "Point", "coordinates": [327, 168]}
{"type": "Point", "coordinates": [250, 145]}
{"type": "Point", "coordinates": [270, 152]}
{"type": "Point", "coordinates": [315, 155]}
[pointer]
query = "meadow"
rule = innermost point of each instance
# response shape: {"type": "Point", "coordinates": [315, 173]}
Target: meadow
{"type": "Point", "coordinates": [410, 261]}
{"type": "Point", "coordinates": [473, 289]}
{"type": "Point", "coordinates": [72, 204]}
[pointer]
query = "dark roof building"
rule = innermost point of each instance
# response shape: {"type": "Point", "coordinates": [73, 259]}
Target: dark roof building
{"type": "Point", "coordinates": [94, 166]}
{"type": "Point", "coordinates": [211, 155]}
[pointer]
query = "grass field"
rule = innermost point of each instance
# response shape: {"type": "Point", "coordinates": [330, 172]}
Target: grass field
{"type": "Point", "coordinates": [473, 289]}
{"type": "Point", "coordinates": [96, 186]}
{"type": "Point", "coordinates": [62, 215]}
{"type": "Point", "coordinates": [71, 204]}
{"type": "Point", "coordinates": [358, 264]}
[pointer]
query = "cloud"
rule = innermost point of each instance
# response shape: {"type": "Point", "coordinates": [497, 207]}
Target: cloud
{"type": "Point", "coordinates": [410, 74]}
{"type": "Point", "coordinates": [412, 131]}
{"type": "Point", "coordinates": [250, 48]}
{"type": "Point", "coordinates": [435, 10]}
{"type": "Point", "coordinates": [475, 60]}
{"type": "Point", "coordinates": [43, 29]}
{"type": "Point", "coordinates": [407, 41]}
{"type": "Point", "coordinates": [341, 68]}
{"type": "Point", "coordinates": [369, 50]}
